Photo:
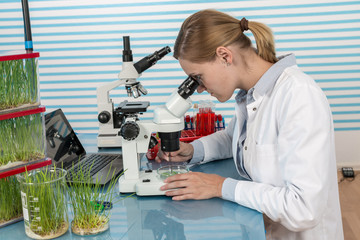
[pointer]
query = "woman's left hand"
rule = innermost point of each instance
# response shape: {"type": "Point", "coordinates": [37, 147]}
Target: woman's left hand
{"type": "Point", "coordinates": [193, 185]}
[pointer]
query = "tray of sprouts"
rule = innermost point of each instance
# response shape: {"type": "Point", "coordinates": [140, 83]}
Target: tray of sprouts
{"type": "Point", "coordinates": [22, 138]}
{"type": "Point", "coordinates": [10, 201]}
{"type": "Point", "coordinates": [19, 80]}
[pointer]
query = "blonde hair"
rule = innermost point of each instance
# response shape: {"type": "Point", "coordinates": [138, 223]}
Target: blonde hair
{"type": "Point", "coordinates": [204, 31]}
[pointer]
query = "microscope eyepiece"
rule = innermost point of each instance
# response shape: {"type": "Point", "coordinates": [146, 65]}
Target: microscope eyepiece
{"type": "Point", "coordinates": [151, 59]}
{"type": "Point", "coordinates": [127, 53]}
{"type": "Point", "coordinates": [188, 87]}
{"type": "Point", "coordinates": [162, 52]}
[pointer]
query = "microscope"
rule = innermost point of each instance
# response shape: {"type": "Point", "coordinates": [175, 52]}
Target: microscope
{"type": "Point", "coordinates": [136, 138]}
{"type": "Point", "coordinates": [110, 119]}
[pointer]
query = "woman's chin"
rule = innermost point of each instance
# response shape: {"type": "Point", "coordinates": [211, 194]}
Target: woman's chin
{"type": "Point", "coordinates": [221, 98]}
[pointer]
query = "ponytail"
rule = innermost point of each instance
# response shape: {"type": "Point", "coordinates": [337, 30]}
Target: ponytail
{"type": "Point", "coordinates": [264, 41]}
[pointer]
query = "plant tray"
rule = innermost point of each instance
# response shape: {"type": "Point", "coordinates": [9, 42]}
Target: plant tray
{"type": "Point", "coordinates": [25, 167]}
{"type": "Point", "coordinates": [22, 140]}
{"type": "Point", "coordinates": [17, 55]}
{"type": "Point", "coordinates": [9, 114]}
{"type": "Point", "coordinates": [19, 79]}
{"type": "Point", "coordinates": [15, 220]}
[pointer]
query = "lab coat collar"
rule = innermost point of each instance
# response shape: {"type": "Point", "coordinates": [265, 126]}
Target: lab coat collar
{"type": "Point", "coordinates": [268, 80]}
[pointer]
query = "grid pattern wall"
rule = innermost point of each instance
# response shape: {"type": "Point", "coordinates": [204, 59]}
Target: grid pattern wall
{"type": "Point", "coordinates": [80, 45]}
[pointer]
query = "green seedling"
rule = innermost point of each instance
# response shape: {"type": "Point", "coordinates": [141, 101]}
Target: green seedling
{"type": "Point", "coordinates": [44, 202]}
{"type": "Point", "coordinates": [91, 203]}
{"type": "Point", "coordinates": [169, 173]}
{"type": "Point", "coordinates": [10, 200]}
{"type": "Point", "coordinates": [18, 82]}
{"type": "Point", "coordinates": [22, 139]}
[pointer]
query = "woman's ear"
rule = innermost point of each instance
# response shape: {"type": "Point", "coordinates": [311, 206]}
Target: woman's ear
{"type": "Point", "coordinates": [224, 54]}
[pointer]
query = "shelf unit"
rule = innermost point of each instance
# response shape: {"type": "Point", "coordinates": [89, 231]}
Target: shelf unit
{"type": "Point", "coordinates": [22, 123]}
{"type": "Point", "coordinates": [19, 108]}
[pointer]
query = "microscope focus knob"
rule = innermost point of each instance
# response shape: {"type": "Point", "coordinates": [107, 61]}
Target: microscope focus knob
{"type": "Point", "coordinates": [129, 131]}
{"type": "Point", "coordinates": [104, 117]}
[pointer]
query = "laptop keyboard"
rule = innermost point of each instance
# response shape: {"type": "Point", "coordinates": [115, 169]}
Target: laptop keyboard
{"type": "Point", "coordinates": [93, 163]}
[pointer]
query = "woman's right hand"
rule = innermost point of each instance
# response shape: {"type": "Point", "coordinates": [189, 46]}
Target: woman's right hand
{"type": "Point", "coordinates": [184, 154]}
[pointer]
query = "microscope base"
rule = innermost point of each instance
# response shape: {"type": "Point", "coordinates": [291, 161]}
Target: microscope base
{"type": "Point", "coordinates": [108, 140]}
{"type": "Point", "coordinates": [148, 184]}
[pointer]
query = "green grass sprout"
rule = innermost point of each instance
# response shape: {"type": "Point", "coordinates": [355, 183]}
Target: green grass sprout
{"type": "Point", "coordinates": [87, 201]}
{"type": "Point", "coordinates": [44, 201]}
{"type": "Point", "coordinates": [18, 83]}
{"type": "Point", "coordinates": [22, 139]}
{"type": "Point", "coordinates": [10, 200]}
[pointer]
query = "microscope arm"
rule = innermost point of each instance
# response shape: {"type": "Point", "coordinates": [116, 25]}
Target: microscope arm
{"type": "Point", "coordinates": [108, 122]}
{"type": "Point", "coordinates": [126, 76]}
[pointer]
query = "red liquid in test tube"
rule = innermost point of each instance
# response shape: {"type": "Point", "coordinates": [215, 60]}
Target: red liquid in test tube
{"type": "Point", "coordinates": [220, 120]}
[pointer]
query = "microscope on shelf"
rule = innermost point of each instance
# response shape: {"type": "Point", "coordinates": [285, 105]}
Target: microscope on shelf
{"type": "Point", "coordinates": [110, 119]}
{"type": "Point", "coordinates": [136, 137]}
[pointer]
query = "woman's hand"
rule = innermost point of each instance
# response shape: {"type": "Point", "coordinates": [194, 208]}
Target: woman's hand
{"type": "Point", "coordinates": [193, 185]}
{"type": "Point", "coordinates": [184, 154]}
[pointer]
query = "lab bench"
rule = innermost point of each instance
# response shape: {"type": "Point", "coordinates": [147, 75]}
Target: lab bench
{"type": "Point", "coordinates": [158, 217]}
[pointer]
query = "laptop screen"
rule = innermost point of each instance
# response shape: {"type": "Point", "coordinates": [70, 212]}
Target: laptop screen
{"type": "Point", "coordinates": [63, 146]}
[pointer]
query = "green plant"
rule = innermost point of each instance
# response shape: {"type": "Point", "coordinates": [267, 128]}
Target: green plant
{"type": "Point", "coordinates": [10, 200]}
{"type": "Point", "coordinates": [44, 202]}
{"type": "Point", "coordinates": [18, 82]}
{"type": "Point", "coordinates": [87, 201]}
{"type": "Point", "coordinates": [22, 139]}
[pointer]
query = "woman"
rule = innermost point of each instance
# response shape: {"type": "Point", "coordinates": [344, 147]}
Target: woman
{"type": "Point", "coordinates": [281, 137]}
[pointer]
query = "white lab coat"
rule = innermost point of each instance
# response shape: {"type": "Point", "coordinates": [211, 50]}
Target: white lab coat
{"type": "Point", "coordinates": [289, 154]}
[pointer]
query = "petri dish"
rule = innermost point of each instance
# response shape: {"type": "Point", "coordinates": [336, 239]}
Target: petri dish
{"type": "Point", "coordinates": [170, 170]}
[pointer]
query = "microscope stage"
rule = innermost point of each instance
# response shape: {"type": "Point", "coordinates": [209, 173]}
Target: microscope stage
{"type": "Point", "coordinates": [148, 184]}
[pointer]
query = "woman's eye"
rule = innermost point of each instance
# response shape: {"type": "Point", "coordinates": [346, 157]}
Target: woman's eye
{"type": "Point", "coordinates": [201, 82]}
{"type": "Point", "coordinates": [198, 78]}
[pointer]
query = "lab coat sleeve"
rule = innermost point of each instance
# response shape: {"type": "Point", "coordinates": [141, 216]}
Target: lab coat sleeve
{"type": "Point", "coordinates": [218, 145]}
{"type": "Point", "coordinates": [305, 158]}
{"type": "Point", "coordinates": [198, 155]}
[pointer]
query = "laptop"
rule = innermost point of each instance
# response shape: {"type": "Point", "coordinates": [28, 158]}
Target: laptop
{"type": "Point", "coordinates": [67, 152]}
